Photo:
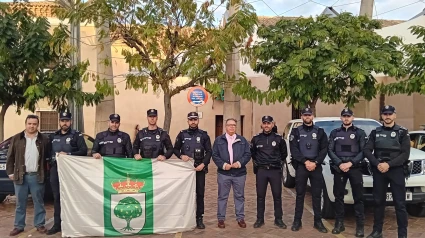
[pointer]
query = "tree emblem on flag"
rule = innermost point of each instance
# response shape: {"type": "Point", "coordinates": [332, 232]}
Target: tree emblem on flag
{"type": "Point", "coordinates": [128, 209]}
{"type": "Point", "coordinates": [129, 205]}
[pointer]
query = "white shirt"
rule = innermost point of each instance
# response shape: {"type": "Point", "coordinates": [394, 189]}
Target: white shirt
{"type": "Point", "coordinates": [31, 154]}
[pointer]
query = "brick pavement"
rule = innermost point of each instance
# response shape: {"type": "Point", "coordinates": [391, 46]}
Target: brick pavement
{"type": "Point", "coordinates": [416, 225]}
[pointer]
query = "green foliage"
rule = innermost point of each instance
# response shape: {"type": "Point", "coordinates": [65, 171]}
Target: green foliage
{"type": "Point", "coordinates": [415, 63]}
{"type": "Point", "coordinates": [35, 64]}
{"type": "Point", "coordinates": [168, 39]}
{"type": "Point", "coordinates": [331, 59]}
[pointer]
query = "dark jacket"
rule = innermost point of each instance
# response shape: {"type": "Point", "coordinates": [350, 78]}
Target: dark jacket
{"type": "Point", "coordinates": [206, 144]}
{"type": "Point", "coordinates": [295, 149]}
{"type": "Point", "coordinates": [241, 154]}
{"type": "Point", "coordinates": [16, 157]}
{"type": "Point", "coordinates": [360, 139]}
{"type": "Point", "coordinates": [268, 149]}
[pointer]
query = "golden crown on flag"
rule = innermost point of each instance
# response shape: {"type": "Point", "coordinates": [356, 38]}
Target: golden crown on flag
{"type": "Point", "coordinates": [128, 186]}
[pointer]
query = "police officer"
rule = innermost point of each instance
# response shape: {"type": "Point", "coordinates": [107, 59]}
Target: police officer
{"type": "Point", "coordinates": [65, 141]}
{"type": "Point", "coordinates": [345, 150]}
{"type": "Point", "coordinates": [268, 151]}
{"type": "Point", "coordinates": [151, 141]}
{"type": "Point", "coordinates": [309, 146]}
{"type": "Point", "coordinates": [390, 144]}
{"type": "Point", "coordinates": [113, 142]}
{"type": "Point", "coordinates": [195, 144]}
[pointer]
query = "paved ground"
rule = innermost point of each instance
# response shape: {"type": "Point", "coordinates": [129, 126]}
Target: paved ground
{"type": "Point", "coordinates": [416, 225]}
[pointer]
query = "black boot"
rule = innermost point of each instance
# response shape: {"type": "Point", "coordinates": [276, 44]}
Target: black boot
{"type": "Point", "coordinates": [359, 230]}
{"type": "Point", "coordinates": [200, 223]}
{"type": "Point", "coordinates": [375, 234]}
{"type": "Point", "coordinates": [258, 223]}
{"type": "Point", "coordinates": [55, 229]}
{"type": "Point", "coordinates": [339, 227]}
{"type": "Point", "coordinates": [320, 227]}
{"type": "Point", "coordinates": [279, 223]}
{"type": "Point", "coordinates": [296, 225]}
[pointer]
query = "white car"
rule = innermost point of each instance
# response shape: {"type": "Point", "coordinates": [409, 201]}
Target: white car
{"type": "Point", "coordinates": [415, 185]}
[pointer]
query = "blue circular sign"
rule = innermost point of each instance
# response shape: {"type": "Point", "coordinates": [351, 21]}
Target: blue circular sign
{"type": "Point", "coordinates": [197, 96]}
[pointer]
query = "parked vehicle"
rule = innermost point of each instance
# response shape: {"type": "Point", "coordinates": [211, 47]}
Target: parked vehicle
{"type": "Point", "coordinates": [415, 185]}
{"type": "Point", "coordinates": [6, 185]}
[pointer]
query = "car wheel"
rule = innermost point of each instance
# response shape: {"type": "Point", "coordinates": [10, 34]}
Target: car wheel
{"type": "Point", "coordinates": [416, 210]}
{"type": "Point", "coordinates": [287, 180]}
{"type": "Point", "coordinates": [2, 197]}
{"type": "Point", "coordinates": [327, 206]}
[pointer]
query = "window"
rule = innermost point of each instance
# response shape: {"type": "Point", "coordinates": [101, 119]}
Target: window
{"type": "Point", "coordinates": [286, 131]}
{"type": "Point", "coordinates": [49, 120]}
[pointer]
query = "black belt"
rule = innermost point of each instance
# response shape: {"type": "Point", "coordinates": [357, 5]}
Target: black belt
{"type": "Point", "coordinates": [268, 167]}
{"type": "Point", "coordinates": [31, 173]}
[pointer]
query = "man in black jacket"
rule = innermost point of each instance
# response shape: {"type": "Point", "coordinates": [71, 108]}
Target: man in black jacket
{"type": "Point", "coordinates": [194, 143]}
{"type": "Point", "coordinates": [68, 142]}
{"type": "Point", "coordinates": [345, 150]}
{"type": "Point", "coordinates": [388, 151]}
{"type": "Point", "coordinates": [268, 152]}
{"type": "Point", "coordinates": [309, 147]}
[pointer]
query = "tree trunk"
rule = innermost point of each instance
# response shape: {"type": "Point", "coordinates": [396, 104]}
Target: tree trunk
{"type": "Point", "coordinates": [2, 114]}
{"type": "Point", "coordinates": [107, 106]}
{"type": "Point", "coordinates": [168, 112]}
{"type": "Point", "coordinates": [313, 105]}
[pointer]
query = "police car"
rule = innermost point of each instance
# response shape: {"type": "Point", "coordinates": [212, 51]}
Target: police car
{"type": "Point", "coordinates": [415, 185]}
{"type": "Point", "coordinates": [6, 185]}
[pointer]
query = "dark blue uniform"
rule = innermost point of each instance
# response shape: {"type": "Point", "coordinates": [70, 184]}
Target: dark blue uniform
{"type": "Point", "coordinates": [196, 144]}
{"type": "Point", "coordinates": [390, 145]}
{"type": "Point", "coordinates": [346, 145]}
{"type": "Point", "coordinates": [268, 152]}
{"type": "Point", "coordinates": [113, 144]}
{"type": "Point", "coordinates": [72, 142]}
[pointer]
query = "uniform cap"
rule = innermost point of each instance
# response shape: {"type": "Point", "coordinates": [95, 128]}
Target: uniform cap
{"type": "Point", "coordinates": [115, 117]}
{"type": "Point", "coordinates": [152, 113]}
{"type": "Point", "coordinates": [192, 115]}
{"type": "Point", "coordinates": [388, 109]}
{"type": "Point", "coordinates": [347, 112]}
{"type": "Point", "coordinates": [65, 115]}
{"type": "Point", "coordinates": [307, 111]}
{"type": "Point", "coordinates": [267, 119]}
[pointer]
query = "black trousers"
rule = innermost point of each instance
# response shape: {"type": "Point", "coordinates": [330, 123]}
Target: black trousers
{"type": "Point", "coordinates": [54, 183]}
{"type": "Point", "coordinates": [356, 181]}
{"type": "Point", "coordinates": [263, 178]}
{"type": "Point", "coordinates": [316, 182]}
{"type": "Point", "coordinates": [200, 192]}
{"type": "Point", "coordinates": [394, 177]}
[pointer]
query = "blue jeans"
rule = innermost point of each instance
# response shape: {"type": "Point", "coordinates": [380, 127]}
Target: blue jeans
{"type": "Point", "coordinates": [36, 189]}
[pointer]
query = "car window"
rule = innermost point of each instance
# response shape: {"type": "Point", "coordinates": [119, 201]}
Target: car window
{"type": "Point", "coordinates": [4, 146]}
{"type": "Point", "coordinates": [420, 142]}
{"type": "Point", "coordinates": [286, 131]}
{"type": "Point", "coordinates": [328, 126]}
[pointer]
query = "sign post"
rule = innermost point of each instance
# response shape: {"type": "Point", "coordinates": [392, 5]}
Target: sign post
{"type": "Point", "coordinates": [197, 96]}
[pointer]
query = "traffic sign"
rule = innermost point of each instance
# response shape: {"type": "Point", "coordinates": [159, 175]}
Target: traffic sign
{"type": "Point", "coordinates": [197, 96]}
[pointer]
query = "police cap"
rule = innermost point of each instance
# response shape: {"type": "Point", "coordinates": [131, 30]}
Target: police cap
{"type": "Point", "coordinates": [65, 115]}
{"type": "Point", "coordinates": [347, 112]}
{"type": "Point", "coordinates": [307, 111]}
{"type": "Point", "coordinates": [192, 115]}
{"type": "Point", "coordinates": [388, 109]}
{"type": "Point", "coordinates": [152, 113]}
{"type": "Point", "coordinates": [115, 117]}
{"type": "Point", "coordinates": [267, 119]}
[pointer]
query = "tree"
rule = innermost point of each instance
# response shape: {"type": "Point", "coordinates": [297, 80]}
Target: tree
{"type": "Point", "coordinates": [128, 208]}
{"type": "Point", "coordinates": [414, 61]}
{"type": "Point", "coordinates": [331, 59]}
{"type": "Point", "coordinates": [168, 39]}
{"type": "Point", "coordinates": [35, 64]}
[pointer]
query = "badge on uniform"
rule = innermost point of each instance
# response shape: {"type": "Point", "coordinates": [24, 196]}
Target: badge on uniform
{"type": "Point", "coordinates": [119, 140]}
{"type": "Point", "coordinates": [157, 137]}
{"type": "Point", "coordinates": [198, 139]}
{"type": "Point", "coordinates": [64, 114]}
{"type": "Point", "coordinates": [352, 136]}
{"type": "Point", "coordinates": [393, 134]}
{"type": "Point", "coordinates": [314, 135]}
{"type": "Point", "coordinates": [68, 140]}
{"type": "Point", "coordinates": [291, 137]}
{"type": "Point", "coordinates": [274, 143]}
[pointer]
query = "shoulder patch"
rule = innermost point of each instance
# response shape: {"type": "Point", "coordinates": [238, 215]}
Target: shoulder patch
{"type": "Point", "coordinates": [278, 134]}
{"type": "Point", "coordinates": [291, 137]}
